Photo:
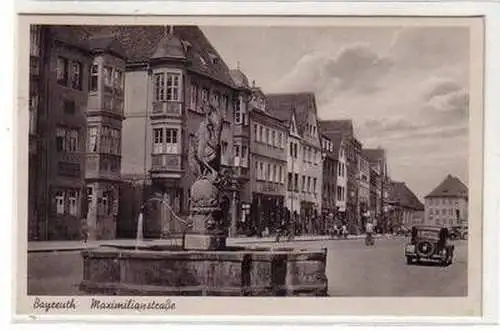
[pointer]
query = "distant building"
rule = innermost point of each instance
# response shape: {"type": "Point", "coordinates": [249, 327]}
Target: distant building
{"type": "Point", "coordinates": [329, 175]}
{"type": "Point", "coordinates": [59, 74]}
{"type": "Point", "coordinates": [345, 129]}
{"type": "Point", "coordinates": [268, 166]}
{"type": "Point", "coordinates": [448, 203]}
{"type": "Point", "coordinates": [305, 170]}
{"type": "Point", "coordinates": [379, 184]}
{"type": "Point", "coordinates": [364, 186]}
{"type": "Point", "coordinates": [405, 209]}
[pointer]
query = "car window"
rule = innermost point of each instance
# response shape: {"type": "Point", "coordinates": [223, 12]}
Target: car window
{"type": "Point", "coordinates": [428, 234]}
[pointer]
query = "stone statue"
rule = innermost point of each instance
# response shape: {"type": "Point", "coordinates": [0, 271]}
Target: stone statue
{"type": "Point", "coordinates": [207, 231]}
{"type": "Point", "coordinates": [206, 147]}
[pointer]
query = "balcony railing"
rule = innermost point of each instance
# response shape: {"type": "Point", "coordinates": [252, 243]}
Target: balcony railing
{"type": "Point", "coordinates": [167, 108]}
{"type": "Point", "coordinates": [166, 162]}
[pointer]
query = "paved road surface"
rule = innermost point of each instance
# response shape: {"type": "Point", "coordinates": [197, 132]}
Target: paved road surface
{"type": "Point", "coordinates": [352, 269]}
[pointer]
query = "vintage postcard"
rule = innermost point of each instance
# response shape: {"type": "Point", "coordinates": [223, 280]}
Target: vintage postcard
{"type": "Point", "coordinates": [249, 166]}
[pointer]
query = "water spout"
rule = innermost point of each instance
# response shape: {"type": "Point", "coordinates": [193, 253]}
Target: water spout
{"type": "Point", "coordinates": [140, 230]}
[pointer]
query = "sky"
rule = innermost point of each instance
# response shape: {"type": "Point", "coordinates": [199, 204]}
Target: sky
{"type": "Point", "coordinates": [405, 88]}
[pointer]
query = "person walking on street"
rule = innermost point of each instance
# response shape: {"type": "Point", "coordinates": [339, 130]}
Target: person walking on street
{"type": "Point", "coordinates": [369, 233]}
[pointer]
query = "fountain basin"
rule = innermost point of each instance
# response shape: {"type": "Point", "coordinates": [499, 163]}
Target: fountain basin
{"type": "Point", "coordinates": [237, 271]}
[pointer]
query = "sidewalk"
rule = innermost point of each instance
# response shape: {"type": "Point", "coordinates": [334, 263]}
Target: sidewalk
{"type": "Point", "coordinates": [57, 246]}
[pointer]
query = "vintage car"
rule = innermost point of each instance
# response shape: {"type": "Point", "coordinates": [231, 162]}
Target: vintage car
{"type": "Point", "coordinates": [429, 243]}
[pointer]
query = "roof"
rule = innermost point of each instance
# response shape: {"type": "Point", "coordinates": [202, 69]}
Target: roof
{"type": "Point", "coordinates": [401, 195]}
{"type": "Point", "coordinates": [374, 155]}
{"type": "Point", "coordinates": [450, 187]}
{"type": "Point", "coordinates": [282, 104]}
{"type": "Point", "coordinates": [70, 35]}
{"type": "Point", "coordinates": [141, 43]}
{"type": "Point", "coordinates": [344, 127]}
{"type": "Point", "coordinates": [106, 44]}
{"type": "Point", "coordinates": [239, 78]}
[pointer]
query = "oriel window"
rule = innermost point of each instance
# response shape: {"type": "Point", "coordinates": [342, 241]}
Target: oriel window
{"type": "Point", "coordinates": [76, 75]}
{"type": "Point", "coordinates": [94, 78]}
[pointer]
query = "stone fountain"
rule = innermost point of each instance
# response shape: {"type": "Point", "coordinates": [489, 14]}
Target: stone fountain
{"type": "Point", "coordinates": [204, 265]}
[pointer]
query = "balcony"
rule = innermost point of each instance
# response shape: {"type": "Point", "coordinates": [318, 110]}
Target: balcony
{"type": "Point", "coordinates": [166, 163]}
{"type": "Point", "coordinates": [241, 173]}
{"type": "Point", "coordinates": [167, 109]}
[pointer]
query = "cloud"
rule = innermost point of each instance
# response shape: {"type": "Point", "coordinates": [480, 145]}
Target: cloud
{"type": "Point", "coordinates": [354, 68]}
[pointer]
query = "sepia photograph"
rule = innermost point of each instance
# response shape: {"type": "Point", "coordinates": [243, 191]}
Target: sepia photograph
{"type": "Point", "coordinates": [321, 159]}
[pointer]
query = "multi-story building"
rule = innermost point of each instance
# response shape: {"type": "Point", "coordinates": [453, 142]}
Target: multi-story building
{"type": "Point", "coordinates": [104, 134]}
{"type": "Point", "coordinates": [268, 161]}
{"type": "Point", "coordinates": [379, 182]}
{"type": "Point", "coordinates": [405, 209]}
{"type": "Point", "coordinates": [448, 203]}
{"type": "Point", "coordinates": [242, 197]}
{"type": "Point", "coordinates": [59, 74]}
{"type": "Point", "coordinates": [364, 187]}
{"type": "Point", "coordinates": [330, 160]}
{"type": "Point", "coordinates": [305, 171]}
{"type": "Point", "coordinates": [172, 74]}
{"type": "Point", "coordinates": [353, 148]}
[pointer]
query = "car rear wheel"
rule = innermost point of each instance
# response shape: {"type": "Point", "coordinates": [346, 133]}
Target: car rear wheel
{"type": "Point", "coordinates": [425, 248]}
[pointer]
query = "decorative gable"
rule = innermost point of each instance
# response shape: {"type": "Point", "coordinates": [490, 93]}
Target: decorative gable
{"type": "Point", "coordinates": [293, 126]}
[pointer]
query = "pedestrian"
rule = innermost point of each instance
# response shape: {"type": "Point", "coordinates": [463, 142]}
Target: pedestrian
{"type": "Point", "coordinates": [344, 231]}
{"type": "Point", "coordinates": [84, 230]}
{"type": "Point", "coordinates": [369, 233]}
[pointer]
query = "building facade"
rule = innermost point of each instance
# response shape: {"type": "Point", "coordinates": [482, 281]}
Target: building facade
{"type": "Point", "coordinates": [352, 147]}
{"type": "Point", "coordinates": [268, 160]}
{"type": "Point", "coordinates": [59, 74]}
{"type": "Point", "coordinates": [172, 75]}
{"type": "Point", "coordinates": [364, 188]}
{"type": "Point", "coordinates": [380, 182]}
{"type": "Point", "coordinates": [405, 209]}
{"type": "Point", "coordinates": [104, 134]}
{"type": "Point", "coordinates": [447, 204]}
{"type": "Point", "coordinates": [305, 163]}
{"type": "Point", "coordinates": [329, 176]}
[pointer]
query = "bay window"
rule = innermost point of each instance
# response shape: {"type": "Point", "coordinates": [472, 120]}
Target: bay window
{"type": "Point", "coordinates": [171, 141]}
{"type": "Point", "coordinates": [173, 86]}
{"type": "Point", "coordinates": [158, 140]}
{"type": "Point", "coordinates": [167, 86]}
{"type": "Point", "coordinates": [118, 79]}
{"type": "Point", "coordinates": [108, 77]}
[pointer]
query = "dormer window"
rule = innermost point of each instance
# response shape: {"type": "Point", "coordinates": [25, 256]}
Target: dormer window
{"type": "Point", "coordinates": [187, 46]}
{"type": "Point", "coordinates": [214, 58]}
{"type": "Point", "coordinates": [203, 61]}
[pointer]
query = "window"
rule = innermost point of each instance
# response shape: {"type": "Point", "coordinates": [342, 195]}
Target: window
{"type": "Point", "coordinates": [158, 140]}
{"type": "Point", "coordinates": [76, 75]}
{"type": "Point", "coordinates": [244, 155]}
{"type": "Point", "coordinates": [108, 77]}
{"type": "Point", "coordinates": [303, 183]}
{"type": "Point", "coordinates": [194, 96]}
{"type": "Point", "coordinates": [261, 172]}
{"type": "Point", "coordinates": [315, 182]}
{"type": "Point", "coordinates": [204, 96]}
{"type": "Point", "coordinates": [255, 132]}
{"type": "Point", "coordinates": [59, 197]}
{"type": "Point", "coordinates": [60, 139]}
{"type": "Point", "coordinates": [273, 138]}
{"type": "Point", "coordinates": [62, 71]}
{"type": "Point", "coordinates": [281, 175]}
{"type": "Point", "coordinates": [94, 78]}
{"type": "Point", "coordinates": [216, 100]}
{"type": "Point", "coordinates": [224, 103]}
{"type": "Point", "coordinates": [269, 174]}
{"type": "Point", "coordinates": [296, 182]}
{"type": "Point", "coordinates": [268, 141]}
{"type": "Point", "coordinates": [290, 181]}
{"type": "Point", "coordinates": [73, 202]}
{"type": "Point", "coordinates": [275, 173]}
{"type": "Point", "coordinates": [256, 170]}
{"type": "Point", "coordinates": [308, 184]}
{"type": "Point", "coordinates": [304, 153]}
{"type": "Point", "coordinates": [238, 116]}
{"type": "Point", "coordinates": [280, 141]}
{"type": "Point", "coordinates": [261, 134]}
{"type": "Point", "coordinates": [159, 80]}
{"type": "Point", "coordinates": [171, 140]}
{"type": "Point", "coordinates": [90, 195]}
{"type": "Point", "coordinates": [72, 145]}
{"type": "Point", "coordinates": [118, 79]}
{"type": "Point", "coordinates": [173, 86]}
